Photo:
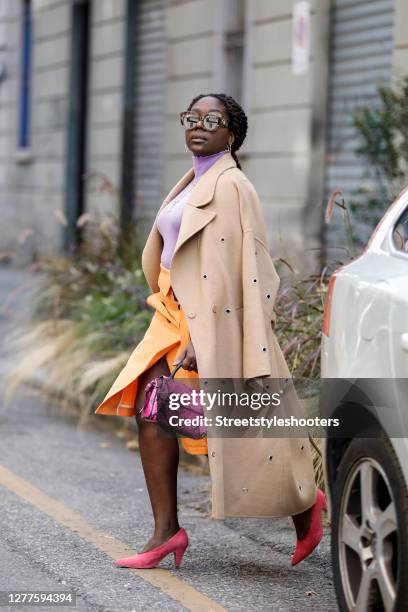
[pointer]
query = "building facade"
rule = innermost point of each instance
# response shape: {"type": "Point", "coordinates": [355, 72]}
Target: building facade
{"type": "Point", "coordinates": [93, 88]}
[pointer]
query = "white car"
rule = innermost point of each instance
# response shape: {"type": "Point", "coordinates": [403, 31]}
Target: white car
{"type": "Point", "coordinates": [365, 370]}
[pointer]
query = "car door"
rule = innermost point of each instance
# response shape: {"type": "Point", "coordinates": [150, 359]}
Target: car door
{"type": "Point", "coordinates": [398, 282]}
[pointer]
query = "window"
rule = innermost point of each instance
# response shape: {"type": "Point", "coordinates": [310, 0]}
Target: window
{"type": "Point", "coordinates": [400, 233]}
{"type": "Point", "coordinates": [25, 76]}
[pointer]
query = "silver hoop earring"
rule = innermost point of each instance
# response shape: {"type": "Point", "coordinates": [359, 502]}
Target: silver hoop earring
{"type": "Point", "coordinates": [228, 147]}
{"type": "Point", "coordinates": [186, 148]}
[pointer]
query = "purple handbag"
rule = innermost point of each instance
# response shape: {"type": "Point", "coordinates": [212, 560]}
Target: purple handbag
{"type": "Point", "coordinates": [156, 407]}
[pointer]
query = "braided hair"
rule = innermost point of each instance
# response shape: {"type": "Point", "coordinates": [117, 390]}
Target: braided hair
{"type": "Point", "coordinates": [238, 121]}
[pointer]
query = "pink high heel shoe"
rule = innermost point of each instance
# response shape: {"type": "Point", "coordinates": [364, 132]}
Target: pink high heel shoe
{"type": "Point", "coordinates": [177, 544]}
{"type": "Point", "coordinates": [315, 532]}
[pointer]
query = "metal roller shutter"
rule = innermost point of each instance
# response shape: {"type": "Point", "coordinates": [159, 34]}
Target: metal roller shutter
{"type": "Point", "coordinates": [361, 48]}
{"type": "Point", "coordinates": [150, 81]}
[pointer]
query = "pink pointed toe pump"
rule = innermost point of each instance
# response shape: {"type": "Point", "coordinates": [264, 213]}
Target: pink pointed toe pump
{"type": "Point", "coordinates": [315, 532]}
{"type": "Point", "coordinates": [177, 544]}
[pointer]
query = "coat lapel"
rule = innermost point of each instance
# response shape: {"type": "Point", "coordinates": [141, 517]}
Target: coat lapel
{"type": "Point", "coordinates": [194, 219]}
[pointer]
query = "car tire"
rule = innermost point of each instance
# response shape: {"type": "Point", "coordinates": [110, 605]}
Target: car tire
{"type": "Point", "coordinates": [369, 539]}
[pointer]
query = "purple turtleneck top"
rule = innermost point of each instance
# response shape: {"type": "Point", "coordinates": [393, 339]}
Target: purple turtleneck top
{"type": "Point", "coordinates": [169, 220]}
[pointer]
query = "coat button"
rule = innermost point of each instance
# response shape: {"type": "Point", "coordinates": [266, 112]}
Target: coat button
{"type": "Point", "coordinates": [213, 454]}
{"type": "Point", "coordinates": [191, 315]}
{"type": "Point", "coordinates": [214, 308]}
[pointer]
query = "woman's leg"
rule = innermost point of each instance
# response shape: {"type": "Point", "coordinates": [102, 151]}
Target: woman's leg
{"type": "Point", "coordinates": [160, 458]}
{"type": "Point", "coordinates": [301, 522]}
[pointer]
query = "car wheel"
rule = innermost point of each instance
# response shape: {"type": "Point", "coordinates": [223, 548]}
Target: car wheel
{"type": "Point", "coordinates": [370, 529]}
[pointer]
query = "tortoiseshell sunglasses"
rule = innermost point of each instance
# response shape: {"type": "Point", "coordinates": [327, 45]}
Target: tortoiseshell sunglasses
{"type": "Point", "coordinates": [211, 121]}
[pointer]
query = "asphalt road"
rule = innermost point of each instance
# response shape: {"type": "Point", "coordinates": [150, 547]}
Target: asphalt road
{"type": "Point", "coordinates": [72, 500]}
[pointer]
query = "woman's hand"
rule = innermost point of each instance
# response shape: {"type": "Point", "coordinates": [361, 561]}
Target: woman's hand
{"type": "Point", "coordinates": [188, 357]}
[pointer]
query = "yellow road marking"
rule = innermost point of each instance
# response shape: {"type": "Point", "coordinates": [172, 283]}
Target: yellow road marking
{"type": "Point", "coordinates": [175, 588]}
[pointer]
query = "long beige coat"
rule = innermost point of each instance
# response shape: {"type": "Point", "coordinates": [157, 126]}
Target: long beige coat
{"type": "Point", "coordinates": [225, 280]}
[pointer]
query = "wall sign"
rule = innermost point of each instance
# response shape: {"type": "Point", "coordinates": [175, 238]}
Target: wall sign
{"type": "Point", "coordinates": [301, 37]}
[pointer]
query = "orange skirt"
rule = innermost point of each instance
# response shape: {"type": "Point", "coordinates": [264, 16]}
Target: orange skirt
{"type": "Point", "coordinates": [166, 335]}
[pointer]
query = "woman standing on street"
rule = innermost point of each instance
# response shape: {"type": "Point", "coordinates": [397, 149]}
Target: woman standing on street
{"type": "Point", "coordinates": [214, 312]}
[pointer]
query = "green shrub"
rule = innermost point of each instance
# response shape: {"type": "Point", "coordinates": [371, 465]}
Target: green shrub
{"type": "Point", "coordinates": [383, 135]}
{"type": "Point", "coordinates": [89, 312]}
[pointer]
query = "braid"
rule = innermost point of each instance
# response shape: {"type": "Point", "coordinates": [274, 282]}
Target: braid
{"type": "Point", "coordinates": [238, 122]}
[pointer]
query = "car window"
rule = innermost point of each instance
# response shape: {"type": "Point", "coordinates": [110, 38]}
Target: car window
{"type": "Point", "coordinates": [400, 233]}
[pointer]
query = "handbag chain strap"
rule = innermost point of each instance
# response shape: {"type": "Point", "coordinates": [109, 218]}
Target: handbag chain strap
{"type": "Point", "coordinates": [175, 369]}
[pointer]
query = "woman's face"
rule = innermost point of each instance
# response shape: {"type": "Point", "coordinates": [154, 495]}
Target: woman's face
{"type": "Point", "coordinates": [208, 143]}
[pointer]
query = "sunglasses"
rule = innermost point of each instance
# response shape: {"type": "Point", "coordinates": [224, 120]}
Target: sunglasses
{"type": "Point", "coordinates": [211, 121]}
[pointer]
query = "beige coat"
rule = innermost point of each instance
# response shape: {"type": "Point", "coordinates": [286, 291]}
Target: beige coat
{"type": "Point", "coordinates": [225, 280]}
